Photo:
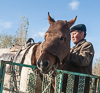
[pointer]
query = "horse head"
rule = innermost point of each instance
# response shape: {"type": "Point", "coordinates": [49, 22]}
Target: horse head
{"type": "Point", "coordinates": [55, 50]}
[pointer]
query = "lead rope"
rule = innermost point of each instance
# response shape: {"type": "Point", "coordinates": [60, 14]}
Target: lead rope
{"type": "Point", "coordinates": [50, 78]}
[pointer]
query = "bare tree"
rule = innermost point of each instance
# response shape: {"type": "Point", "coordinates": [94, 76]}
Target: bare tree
{"type": "Point", "coordinates": [19, 38]}
{"type": "Point", "coordinates": [5, 41]}
{"type": "Point", "coordinates": [96, 67]}
{"type": "Point", "coordinates": [21, 35]}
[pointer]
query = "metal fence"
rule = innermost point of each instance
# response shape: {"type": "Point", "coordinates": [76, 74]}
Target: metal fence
{"type": "Point", "coordinates": [13, 84]}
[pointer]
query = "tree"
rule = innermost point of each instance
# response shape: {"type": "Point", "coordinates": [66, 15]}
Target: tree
{"type": "Point", "coordinates": [19, 38]}
{"type": "Point", "coordinates": [21, 35]}
{"type": "Point", "coordinates": [5, 41]}
{"type": "Point", "coordinates": [96, 67]}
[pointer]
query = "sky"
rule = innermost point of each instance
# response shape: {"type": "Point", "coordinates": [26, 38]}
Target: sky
{"type": "Point", "coordinates": [87, 12]}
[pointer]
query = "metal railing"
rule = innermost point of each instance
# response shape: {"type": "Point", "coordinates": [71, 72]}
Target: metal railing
{"type": "Point", "coordinates": [14, 80]}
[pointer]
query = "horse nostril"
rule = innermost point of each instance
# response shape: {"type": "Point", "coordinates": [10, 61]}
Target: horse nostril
{"type": "Point", "coordinates": [45, 64]}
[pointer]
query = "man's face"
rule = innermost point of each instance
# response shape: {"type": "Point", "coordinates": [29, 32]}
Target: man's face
{"type": "Point", "coordinates": [77, 36]}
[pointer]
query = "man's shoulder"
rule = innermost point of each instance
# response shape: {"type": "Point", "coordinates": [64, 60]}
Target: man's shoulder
{"type": "Point", "coordinates": [87, 43]}
{"type": "Point", "coordinates": [82, 44]}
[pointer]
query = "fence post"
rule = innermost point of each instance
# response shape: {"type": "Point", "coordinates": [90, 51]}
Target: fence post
{"type": "Point", "coordinates": [58, 84]}
{"type": "Point", "coordinates": [99, 86]}
{"type": "Point", "coordinates": [2, 73]}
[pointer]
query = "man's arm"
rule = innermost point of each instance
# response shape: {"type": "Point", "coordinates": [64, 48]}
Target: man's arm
{"type": "Point", "coordinates": [84, 57]}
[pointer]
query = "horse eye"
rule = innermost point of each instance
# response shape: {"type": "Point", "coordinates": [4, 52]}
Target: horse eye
{"type": "Point", "coordinates": [62, 38]}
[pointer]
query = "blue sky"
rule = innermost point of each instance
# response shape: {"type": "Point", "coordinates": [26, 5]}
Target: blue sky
{"type": "Point", "coordinates": [87, 11]}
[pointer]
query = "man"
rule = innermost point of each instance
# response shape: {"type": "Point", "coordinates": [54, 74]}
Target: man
{"type": "Point", "coordinates": [81, 55]}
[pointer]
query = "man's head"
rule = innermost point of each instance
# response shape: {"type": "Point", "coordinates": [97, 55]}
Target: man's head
{"type": "Point", "coordinates": [78, 33]}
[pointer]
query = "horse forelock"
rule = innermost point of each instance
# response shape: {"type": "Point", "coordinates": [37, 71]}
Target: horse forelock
{"type": "Point", "coordinates": [58, 26]}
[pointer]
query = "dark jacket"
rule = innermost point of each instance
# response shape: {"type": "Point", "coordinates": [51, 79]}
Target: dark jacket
{"type": "Point", "coordinates": [80, 61]}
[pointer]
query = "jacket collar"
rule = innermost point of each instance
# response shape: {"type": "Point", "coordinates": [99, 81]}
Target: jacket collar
{"type": "Point", "coordinates": [80, 42]}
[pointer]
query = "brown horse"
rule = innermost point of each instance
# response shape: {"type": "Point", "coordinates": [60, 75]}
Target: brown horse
{"type": "Point", "coordinates": [55, 50]}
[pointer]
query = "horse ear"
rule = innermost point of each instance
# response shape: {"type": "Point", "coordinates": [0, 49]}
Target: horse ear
{"type": "Point", "coordinates": [71, 22]}
{"type": "Point", "coordinates": [50, 19]}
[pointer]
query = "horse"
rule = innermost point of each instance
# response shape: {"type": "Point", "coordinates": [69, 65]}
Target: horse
{"type": "Point", "coordinates": [54, 51]}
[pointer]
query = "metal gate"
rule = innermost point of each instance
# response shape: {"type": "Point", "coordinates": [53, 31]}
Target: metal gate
{"type": "Point", "coordinates": [14, 81]}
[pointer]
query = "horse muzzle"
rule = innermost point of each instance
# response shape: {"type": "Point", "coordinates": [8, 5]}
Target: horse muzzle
{"type": "Point", "coordinates": [46, 62]}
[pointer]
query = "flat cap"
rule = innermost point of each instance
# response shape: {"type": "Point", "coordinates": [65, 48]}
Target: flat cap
{"type": "Point", "coordinates": [80, 27]}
